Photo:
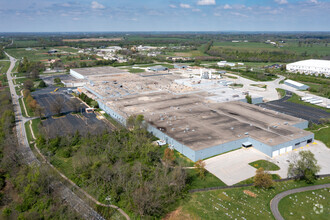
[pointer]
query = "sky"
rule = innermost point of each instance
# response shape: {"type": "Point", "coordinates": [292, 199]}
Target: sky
{"type": "Point", "coordinates": [164, 15]}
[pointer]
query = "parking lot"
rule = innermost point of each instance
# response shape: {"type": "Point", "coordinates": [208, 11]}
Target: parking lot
{"type": "Point", "coordinates": [73, 118]}
{"type": "Point", "coordinates": [301, 111]}
{"type": "Point", "coordinates": [233, 167]}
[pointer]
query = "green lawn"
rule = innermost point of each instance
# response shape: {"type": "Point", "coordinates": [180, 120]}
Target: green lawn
{"type": "Point", "coordinates": [306, 205]}
{"type": "Point", "coordinates": [22, 107]}
{"type": "Point", "coordinates": [133, 70]}
{"type": "Point", "coordinates": [251, 180]}
{"type": "Point", "coordinates": [234, 203]}
{"type": "Point", "coordinates": [268, 166]}
{"type": "Point", "coordinates": [323, 134]}
{"type": "Point", "coordinates": [281, 92]}
{"type": "Point", "coordinates": [196, 182]}
{"type": "Point", "coordinates": [4, 66]}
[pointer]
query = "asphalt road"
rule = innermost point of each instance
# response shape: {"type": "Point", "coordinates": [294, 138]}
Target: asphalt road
{"type": "Point", "coordinates": [28, 157]}
{"type": "Point", "coordinates": [274, 202]}
{"type": "Point", "coordinates": [297, 110]}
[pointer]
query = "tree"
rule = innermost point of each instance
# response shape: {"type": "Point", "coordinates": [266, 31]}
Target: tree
{"type": "Point", "coordinates": [168, 156]}
{"type": "Point", "coordinates": [248, 99]}
{"type": "Point", "coordinates": [34, 74]}
{"type": "Point", "coordinates": [42, 84]}
{"type": "Point", "coordinates": [28, 84]}
{"type": "Point", "coordinates": [57, 80]}
{"type": "Point", "coordinates": [304, 167]}
{"type": "Point", "coordinates": [39, 111]}
{"type": "Point", "coordinates": [263, 179]}
{"type": "Point", "coordinates": [200, 168]}
{"type": "Point", "coordinates": [57, 105]}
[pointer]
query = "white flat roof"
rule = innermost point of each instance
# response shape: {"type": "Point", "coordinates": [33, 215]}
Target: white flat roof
{"type": "Point", "coordinates": [294, 82]}
{"type": "Point", "coordinates": [313, 63]}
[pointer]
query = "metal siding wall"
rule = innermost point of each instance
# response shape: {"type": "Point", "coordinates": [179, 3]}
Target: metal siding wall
{"type": "Point", "coordinates": [191, 154]}
{"type": "Point", "coordinates": [264, 148]}
{"type": "Point", "coordinates": [302, 140]}
{"type": "Point", "coordinates": [76, 75]}
{"type": "Point", "coordinates": [219, 149]}
{"type": "Point", "coordinates": [112, 113]}
{"type": "Point", "coordinates": [301, 125]}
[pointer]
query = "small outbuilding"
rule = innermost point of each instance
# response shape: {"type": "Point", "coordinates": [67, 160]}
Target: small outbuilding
{"type": "Point", "coordinates": [295, 84]}
{"type": "Point", "coordinates": [158, 68]}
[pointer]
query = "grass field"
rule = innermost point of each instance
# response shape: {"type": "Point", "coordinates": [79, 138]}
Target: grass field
{"type": "Point", "coordinates": [281, 92]}
{"type": "Point", "coordinates": [306, 205]}
{"type": "Point", "coordinates": [269, 166]}
{"type": "Point", "coordinates": [319, 49]}
{"type": "Point", "coordinates": [322, 133]}
{"type": "Point", "coordinates": [22, 107]}
{"type": "Point", "coordinates": [251, 180]}
{"type": "Point", "coordinates": [209, 180]}
{"type": "Point", "coordinates": [4, 66]}
{"type": "Point", "coordinates": [131, 70]}
{"type": "Point", "coordinates": [234, 203]}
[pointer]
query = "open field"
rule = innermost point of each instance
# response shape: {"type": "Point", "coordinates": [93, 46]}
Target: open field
{"type": "Point", "coordinates": [92, 39]}
{"type": "Point", "coordinates": [4, 65]}
{"type": "Point", "coordinates": [322, 133]}
{"type": "Point", "coordinates": [319, 49]}
{"type": "Point", "coordinates": [306, 205]}
{"type": "Point", "coordinates": [234, 203]}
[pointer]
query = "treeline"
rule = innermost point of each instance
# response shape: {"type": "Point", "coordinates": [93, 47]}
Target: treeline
{"type": "Point", "coordinates": [89, 101]}
{"type": "Point", "coordinates": [2, 53]}
{"type": "Point", "coordinates": [255, 56]}
{"type": "Point", "coordinates": [32, 69]}
{"type": "Point", "coordinates": [123, 166]}
{"type": "Point", "coordinates": [25, 191]}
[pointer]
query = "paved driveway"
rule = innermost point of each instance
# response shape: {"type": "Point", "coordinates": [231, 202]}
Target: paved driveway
{"type": "Point", "coordinates": [234, 167]}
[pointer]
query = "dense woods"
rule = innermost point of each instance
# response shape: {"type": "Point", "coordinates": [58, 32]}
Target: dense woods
{"type": "Point", "coordinates": [124, 166]}
{"type": "Point", "coordinates": [25, 191]}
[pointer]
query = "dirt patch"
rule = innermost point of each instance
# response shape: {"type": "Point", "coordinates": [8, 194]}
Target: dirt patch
{"type": "Point", "coordinates": [178, 214]}
{"type": "Point", "coordinates": [92, 39]}
{"type": "Point", "coordinates": [249, 193]}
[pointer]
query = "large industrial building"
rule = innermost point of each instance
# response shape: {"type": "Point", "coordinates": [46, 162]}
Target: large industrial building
{"type": "Point", "coordinates": [310, 67]}
{"type": "Point", "coordinates": [198, 117]}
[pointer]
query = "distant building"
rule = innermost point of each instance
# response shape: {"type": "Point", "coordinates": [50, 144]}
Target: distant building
{"type": "Point", "coordinates": [157, 68]}
{"type": "Point", "coordinates": [295, 84]}
{"type": "Point", "coordinates": [52, 51]}
{"type": "Point", "coordinates": [180, 66]}
{"type": "Point", "coordinates": [225, 63]}
{"type": "Point", "coordinates": [310, 67]}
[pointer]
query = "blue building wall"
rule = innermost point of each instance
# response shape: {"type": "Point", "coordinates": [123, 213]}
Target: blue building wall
{"type": "Point", "coordinates": [183, 149]}
{"type": "Point", "coordinates": [304, 87]}
{"type": "Point", "coordinates": [302, 125]}
{"type": "Point", "coordinates": [219, 149]}
{"type": "Point", "coordinates": [113, 114]}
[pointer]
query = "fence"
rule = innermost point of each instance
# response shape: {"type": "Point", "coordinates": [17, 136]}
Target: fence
{"type": "Point", "coordinates": [244, 185]}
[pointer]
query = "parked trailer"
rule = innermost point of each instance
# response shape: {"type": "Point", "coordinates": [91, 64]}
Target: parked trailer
{"type": "Point", "coordinates": [312, 100]}
{"type": "Point", "coordinates": [306, 98]}
{"type": "Point", "coordinates": [317, 101]}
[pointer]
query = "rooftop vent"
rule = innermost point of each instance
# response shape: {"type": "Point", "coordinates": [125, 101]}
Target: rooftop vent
{"type": "Point", "coordinates": [232, 128]}
{"type": "Point", "coordinates": [246, 133]}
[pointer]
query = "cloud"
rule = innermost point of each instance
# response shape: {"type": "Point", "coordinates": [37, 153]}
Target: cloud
{"type": "Point", "coordinates": [196, 10]}
{"type": "Point", "coordinates": [281, 2]}
{"type": "Point", "coordinates": [239, 14]}
{"type": "Point", "coordinates": [172, 6]}
{"type": "Point", "coordinates": [227, 6]}
{"type": "Point", "coordinates": [96, 5]}
{"type": "Point", "coordinates": [185, 5]}
{"type": "Point", "coordinates": [206, 2]}
{"type": "Point", "coordinates": [314, 1]}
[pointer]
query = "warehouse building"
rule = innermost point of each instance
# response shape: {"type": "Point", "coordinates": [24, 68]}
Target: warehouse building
{"type": "Point", "coordinates": [85, 73]}
{"type": "Point", "coordinates": [199, 119]}
{"type": "Point", "coordinates": [311, 66]}
{"type": "Point", "coordinates": [295, 84]}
